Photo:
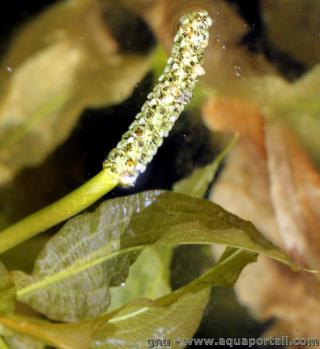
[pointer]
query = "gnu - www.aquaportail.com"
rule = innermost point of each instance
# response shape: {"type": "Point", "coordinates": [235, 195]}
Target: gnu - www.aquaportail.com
{"type": "Point", "coordinates": [166, 343]}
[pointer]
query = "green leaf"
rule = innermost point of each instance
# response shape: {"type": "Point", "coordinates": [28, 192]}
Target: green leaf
{"type": "Point", "coordinates": [149, 277]}
{"type": "Point", "coordinates": [7, 291]}
{"type": "Point", "coordinates": [142, 280]}
{"type": "Point", "coordinates": [65, 290]}
{"type": "Point", "coordinates": [176, 315]}
{"type": "Point", "coordinates": [138, 326]}
{"type": "Point", "coordinates": [93, 251]}
{"type": "Point", "coordinates": [197, 183]}
{"type": "Point", "coordinates": [59, 68]}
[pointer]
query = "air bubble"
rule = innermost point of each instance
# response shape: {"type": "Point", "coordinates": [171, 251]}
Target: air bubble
{"type": "Point", "coordinates": [237, 71]}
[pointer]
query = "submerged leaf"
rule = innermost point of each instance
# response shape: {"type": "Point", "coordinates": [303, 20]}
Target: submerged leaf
{"type": "Point", "coordinates": [141, 326]}
{"type": "Point", "coordinates": [59, 68]}
{"type": "Point", "coordinates": [176, 315]}
{"type": "Point", "coordinates": [7, 291]}
{"type": "Point", "coordinates": [149, 277]}
{"type": "Point", "coordinates": [23, 342]}
{"type": "Point", "coordinates": [296, 105]}
{"type": "Point", "coordinates": [93, 251]}
{"type": "Point", "coordinates": [65, 290]}
{"type": "Point", "coordinates": [171, 317]}
{"type": "Point", "coordinates": [279, 192]}
{"type": "Point", "coordinates": [62, 336]}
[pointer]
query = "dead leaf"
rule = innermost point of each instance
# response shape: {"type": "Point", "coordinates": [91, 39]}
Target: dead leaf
{"type": "Point", "coordinates": [271, 291]}
{"type": "Point", "coordinates": [243, 187]}
{"type": "Point", "coordinates": [236, 116]}
{"type": "Point", "coordinates": [57, 69]}
{"type": "Point", "coordinates": [295, 192]}
{"type": "Point", "coordinates": [286, 183]}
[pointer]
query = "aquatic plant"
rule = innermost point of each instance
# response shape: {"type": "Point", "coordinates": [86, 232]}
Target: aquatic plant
{"type": "Point", "coordinates": [137, 146]}
{"type": "Point", "coordinates": [91, 255]}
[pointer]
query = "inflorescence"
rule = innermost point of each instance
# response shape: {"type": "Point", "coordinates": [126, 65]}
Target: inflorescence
{"type": "Point", "coordinates": [165, 103]}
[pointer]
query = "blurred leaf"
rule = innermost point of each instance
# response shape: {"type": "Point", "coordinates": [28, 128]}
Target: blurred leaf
{"type": "Point", "coordinates": [7, 291]}
{"type": "Point", "coordinates": [295, 194]}
{"type": "Point", "coordinates": [229, 64]}
{"type": "Point", "coordinates": [295, 104]}
{"type": "Point", "coordinates": [299, 19]}
{"type": "Point", "coordinates": [158, 61]}
{"type": "Point", "coordinates": [3, 344]}
{"type": "Point", "coordinates": [149, 277]}
{"type": "Point", "coordinates": [237, 116]}
{"type": "Point", "coordinates": [198, 182]}
{"type": "Point", "coordinates": [73, 273]}
{"type": "Point", "coordinates": [243, 186]}
{"type": "Point", "coordinates": [16, 258]}
{"type": "Point", "coordinates": [270, 180]}
{"type": "Point", "coordinates": [70, 61]}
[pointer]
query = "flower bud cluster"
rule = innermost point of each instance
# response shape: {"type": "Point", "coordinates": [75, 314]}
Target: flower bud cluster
{"type": "Point", "coordinates": [165, 103]}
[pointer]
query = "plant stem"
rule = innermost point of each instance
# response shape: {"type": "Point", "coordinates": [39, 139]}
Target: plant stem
{"type": "Point", "coordinates": [141, 142]}
{"type": "Point", "coordinates": [59, 211]}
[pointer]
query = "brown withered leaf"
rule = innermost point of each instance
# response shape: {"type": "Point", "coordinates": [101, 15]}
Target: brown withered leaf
{"type": "Point", "coordinates": [271, 291]}
{"type": "Point", "coordinates": [295, 192]}
{"type": "Point", "coordinates": [243, 187]}
{"type": "Point", "coordinates": [53, 70]}
{"type": "Point", "coordinates": [287, 183]}
{"type": "Point", "coordinates": [238, 116]}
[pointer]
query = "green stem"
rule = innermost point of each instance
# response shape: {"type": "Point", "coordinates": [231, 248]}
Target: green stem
{"type": "Point", "coordinates": [59, 211]}
{"type": "Point", "coordinates": [122, 166]}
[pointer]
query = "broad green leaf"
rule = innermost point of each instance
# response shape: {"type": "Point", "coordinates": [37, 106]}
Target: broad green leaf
{"type": "Point", "coordinates": [179, 219]}
{"type": "Point", "coordinates": [149, 277]}
{"type": "Point", "coordinates": [67, 291]}
{"type": "Point", "coordinates": [175, 315]}
{"type": "Point", "coordinates": [57, 69]}
{"type": "Point", "coordinates": [142, 280]}
{"type": "Point", "coordinates": [140, 326]}
{"type": "Point", "coordinates": [93, 251]}
{"type": "Point", "coordinates": [197, 183]}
